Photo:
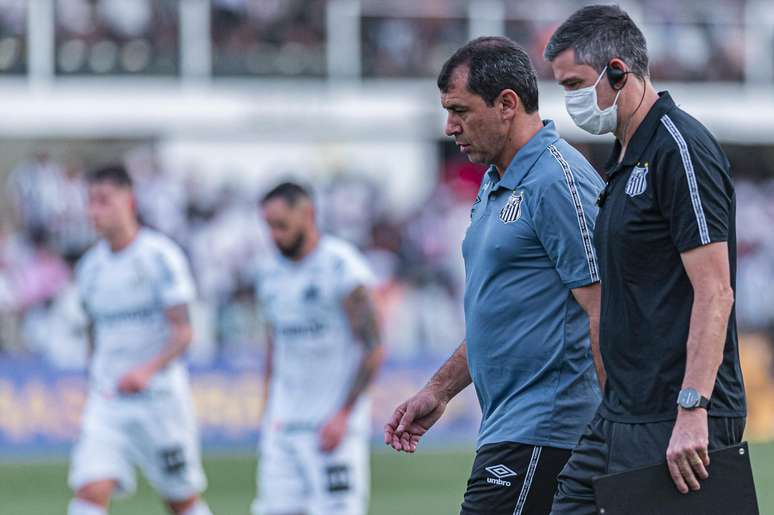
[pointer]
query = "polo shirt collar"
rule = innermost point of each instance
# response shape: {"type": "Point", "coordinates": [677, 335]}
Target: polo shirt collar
{"type": "Point", "coordinates": [642, 135]}
{"type": "Point", "coordinates": [525, 158]}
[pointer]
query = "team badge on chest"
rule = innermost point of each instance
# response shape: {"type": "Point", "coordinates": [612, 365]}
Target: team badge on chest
{"type": "Point", "coordinates": [638, 181]}
{"type": "Point", "coordinates": [512, 209]}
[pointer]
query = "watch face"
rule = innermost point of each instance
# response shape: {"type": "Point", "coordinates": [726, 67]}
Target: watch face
{"type": "Point", "coordinates": [688, 398]}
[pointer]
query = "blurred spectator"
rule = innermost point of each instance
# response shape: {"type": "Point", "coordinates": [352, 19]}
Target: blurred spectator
{"type": "Point", "coordinates": [409, 47]}
{"type": "Point", "coordinates": [755, 265]}
{"type": "Point", "coordinates": [161, 199]}
{"type": "Point", "coordinates": [117, 37]}
{"type": "Point", "coordinates": [13, 34]}
{"type": "Point", "coordinates": [50, 198]}
{"type": "Point", "coordinates": [268, 37]}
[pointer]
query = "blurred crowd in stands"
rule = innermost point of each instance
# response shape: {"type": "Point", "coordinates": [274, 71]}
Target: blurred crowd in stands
{"type": "Point", "coordinates": [416, 258]}
{"type": "Point", "coordinates": [700, 40]}
{"type": "Point", "coordinates": [117, 37]}
{"type": "Point", "coordinates": [268, 37]}
{"type": "Point", "coordinates": [687, 40]}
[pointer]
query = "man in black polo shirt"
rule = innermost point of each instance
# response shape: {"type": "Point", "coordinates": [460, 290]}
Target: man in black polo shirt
{"type": "Point", "coordinates": [666, 243]}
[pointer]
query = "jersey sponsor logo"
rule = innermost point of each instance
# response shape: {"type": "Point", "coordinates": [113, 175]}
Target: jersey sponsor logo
{"type": "Point", "coordinates": [499, 472]}
{"type": "Point", "coordinates": [126, 316]}
{"type": "Point", "coordinates": [511, 212]}
{"type": "Point", "coordinates": [313, 328]}
{"type": "Point", "coordinates": [638, 181]}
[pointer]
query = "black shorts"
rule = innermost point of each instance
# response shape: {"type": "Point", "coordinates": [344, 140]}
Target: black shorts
{"type": "Point", "coordinates": [513, 479]}
{"type": "Point", "coordinates": [608, 447]}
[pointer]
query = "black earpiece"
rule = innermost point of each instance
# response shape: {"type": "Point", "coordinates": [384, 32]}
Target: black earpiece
{"type": "Point", "coordinates": [616, 77]}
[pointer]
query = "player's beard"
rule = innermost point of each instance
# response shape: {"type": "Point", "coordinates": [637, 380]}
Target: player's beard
{"type": "Point", "coordinates": [293, 251]}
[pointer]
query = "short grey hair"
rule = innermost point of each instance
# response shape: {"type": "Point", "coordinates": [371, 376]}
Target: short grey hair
{"type": "Point", "coordinates": [599, 33]}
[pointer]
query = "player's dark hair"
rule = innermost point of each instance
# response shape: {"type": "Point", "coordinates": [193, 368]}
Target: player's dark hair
{"type": "Point", "coordinates": [494, 64]}
{"type": "Point", "coordinates": [599, 33]}
{"type": "Point", "coordinates": [290, 192]}
{"type": "Point", "coordinates": [115, 174]}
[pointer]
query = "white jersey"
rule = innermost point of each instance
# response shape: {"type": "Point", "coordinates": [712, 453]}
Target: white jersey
{"type": "Point", "coordinates": [125, 294]}
{"type": "Point", "coordinates": [315, 356]}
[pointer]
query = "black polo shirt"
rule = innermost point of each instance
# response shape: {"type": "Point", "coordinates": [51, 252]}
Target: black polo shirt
{"type": "Point", "coordinates": [671, 193]}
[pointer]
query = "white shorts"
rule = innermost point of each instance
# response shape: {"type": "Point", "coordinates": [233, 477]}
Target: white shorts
{"type": "Point", "coordinates": [155, 432]}
{"type": "Point", "coordinates": [294, 476]}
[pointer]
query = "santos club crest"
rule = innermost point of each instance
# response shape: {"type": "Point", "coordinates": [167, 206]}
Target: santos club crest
{"type": "Point", "coordinates": [638, 181]}
{"type": "Point", "coordinates": [512, 209]}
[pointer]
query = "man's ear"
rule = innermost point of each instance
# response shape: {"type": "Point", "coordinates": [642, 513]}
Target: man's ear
{"type": "Point", "coordinates": [508, 102]}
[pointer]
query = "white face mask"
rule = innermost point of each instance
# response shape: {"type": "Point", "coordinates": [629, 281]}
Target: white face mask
{"type": "Point", "coordinates": [583, 109]}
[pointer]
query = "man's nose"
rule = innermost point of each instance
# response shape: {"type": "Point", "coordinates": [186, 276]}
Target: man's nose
{"type": "Point", "coordinates": [452, 127]}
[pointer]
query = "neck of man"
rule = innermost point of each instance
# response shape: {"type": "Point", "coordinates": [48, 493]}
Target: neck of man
{"type": "Point", "coordinates": [122, 236]}
{"type": "Point", "coordinates": [635, 106]}
{"type": "Point", "coordinates": [310, 244]}
{"type": "Point", "coordinates": [522, 131]}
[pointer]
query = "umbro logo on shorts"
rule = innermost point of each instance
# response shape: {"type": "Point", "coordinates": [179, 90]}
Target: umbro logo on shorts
{"type": "Point", "coordinates": [499, 472]}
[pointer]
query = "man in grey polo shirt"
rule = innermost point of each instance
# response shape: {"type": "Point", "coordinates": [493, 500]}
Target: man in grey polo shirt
{"type": "Point", "coordinates": [531, 294]}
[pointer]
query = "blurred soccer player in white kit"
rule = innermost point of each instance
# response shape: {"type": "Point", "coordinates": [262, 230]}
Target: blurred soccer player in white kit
{"type": "Point", "coordinates": [324, 350]}
{"type": "Point", "coordinates": [136, 287]}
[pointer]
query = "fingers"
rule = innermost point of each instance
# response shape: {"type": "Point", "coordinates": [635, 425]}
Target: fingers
{"type": "Point", "coordinates": [677, 476]}
{"type": "Point", "coordinates": [329, 439]}
{"type": "Point", "coordinates": [697, 465]}
{"type": "Point", "coordinates": [407, 418]}
{"type": "Point", "coordinates": [391, 426]}
{"type": "Point", "coordinates": [688, 474]}
{"type": "Point", "coordinates": [682, 471]}
{"type": "Point", "coordinates": [704, 455]}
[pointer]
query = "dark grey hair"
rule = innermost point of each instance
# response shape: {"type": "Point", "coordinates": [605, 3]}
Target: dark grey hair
{"type": "Point", "coordinates": [494, 64]}
{"type": "Point", "coordinates": [599, 33]}
{"type": "Point", "coordinates": [290, 192]}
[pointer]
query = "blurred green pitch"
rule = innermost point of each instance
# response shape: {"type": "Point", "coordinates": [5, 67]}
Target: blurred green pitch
{"type": "Point", "coordinates": [428, 483]}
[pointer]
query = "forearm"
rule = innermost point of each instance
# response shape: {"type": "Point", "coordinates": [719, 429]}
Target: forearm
{"type": "Point", "coordinates": [366, 372]}
{"type": "Point", "coordinates": [706, 340]}
{"type": "Point", "coordinates": [453, 376]}
{"type": "Point", "coordinates": [589, 299]}
{"type": "Point", "coordinates": [361, 312]}
{"type": "Point", "coordinates": [596, 353]}
{"type": "Point", "coordinates": [175, 347]}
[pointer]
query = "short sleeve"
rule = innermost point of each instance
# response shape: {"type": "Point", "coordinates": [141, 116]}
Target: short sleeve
{"type": "Point", "coordinates": [695, 196]}
{"type": "Point", "coordinates": [564, 224]}
{"type": "Point", "coordinates": [176, 284]}
{"type": "Point", "coordinates": [351, 271]}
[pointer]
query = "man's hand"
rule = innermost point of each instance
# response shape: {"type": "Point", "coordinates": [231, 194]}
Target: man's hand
{"type": "Point", "coordinates": [412, 419]}
{"type": "Point", "coordinates": [135, 380]}
{"type": "Point", "coordinates": [687, 455]}
{"type": "Point", "coordinates": [332, 433]}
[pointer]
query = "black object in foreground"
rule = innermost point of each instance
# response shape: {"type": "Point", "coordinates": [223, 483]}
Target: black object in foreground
{"type": "Point", "coordinates": [729, 490]}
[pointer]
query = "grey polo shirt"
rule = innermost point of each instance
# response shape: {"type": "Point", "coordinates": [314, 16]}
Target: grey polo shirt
{"type": "Point", "coordinates": [529, 243]}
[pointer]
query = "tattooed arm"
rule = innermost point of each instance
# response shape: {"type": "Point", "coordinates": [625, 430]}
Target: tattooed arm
{"type": "Point", "coordinates": [360, 311]}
